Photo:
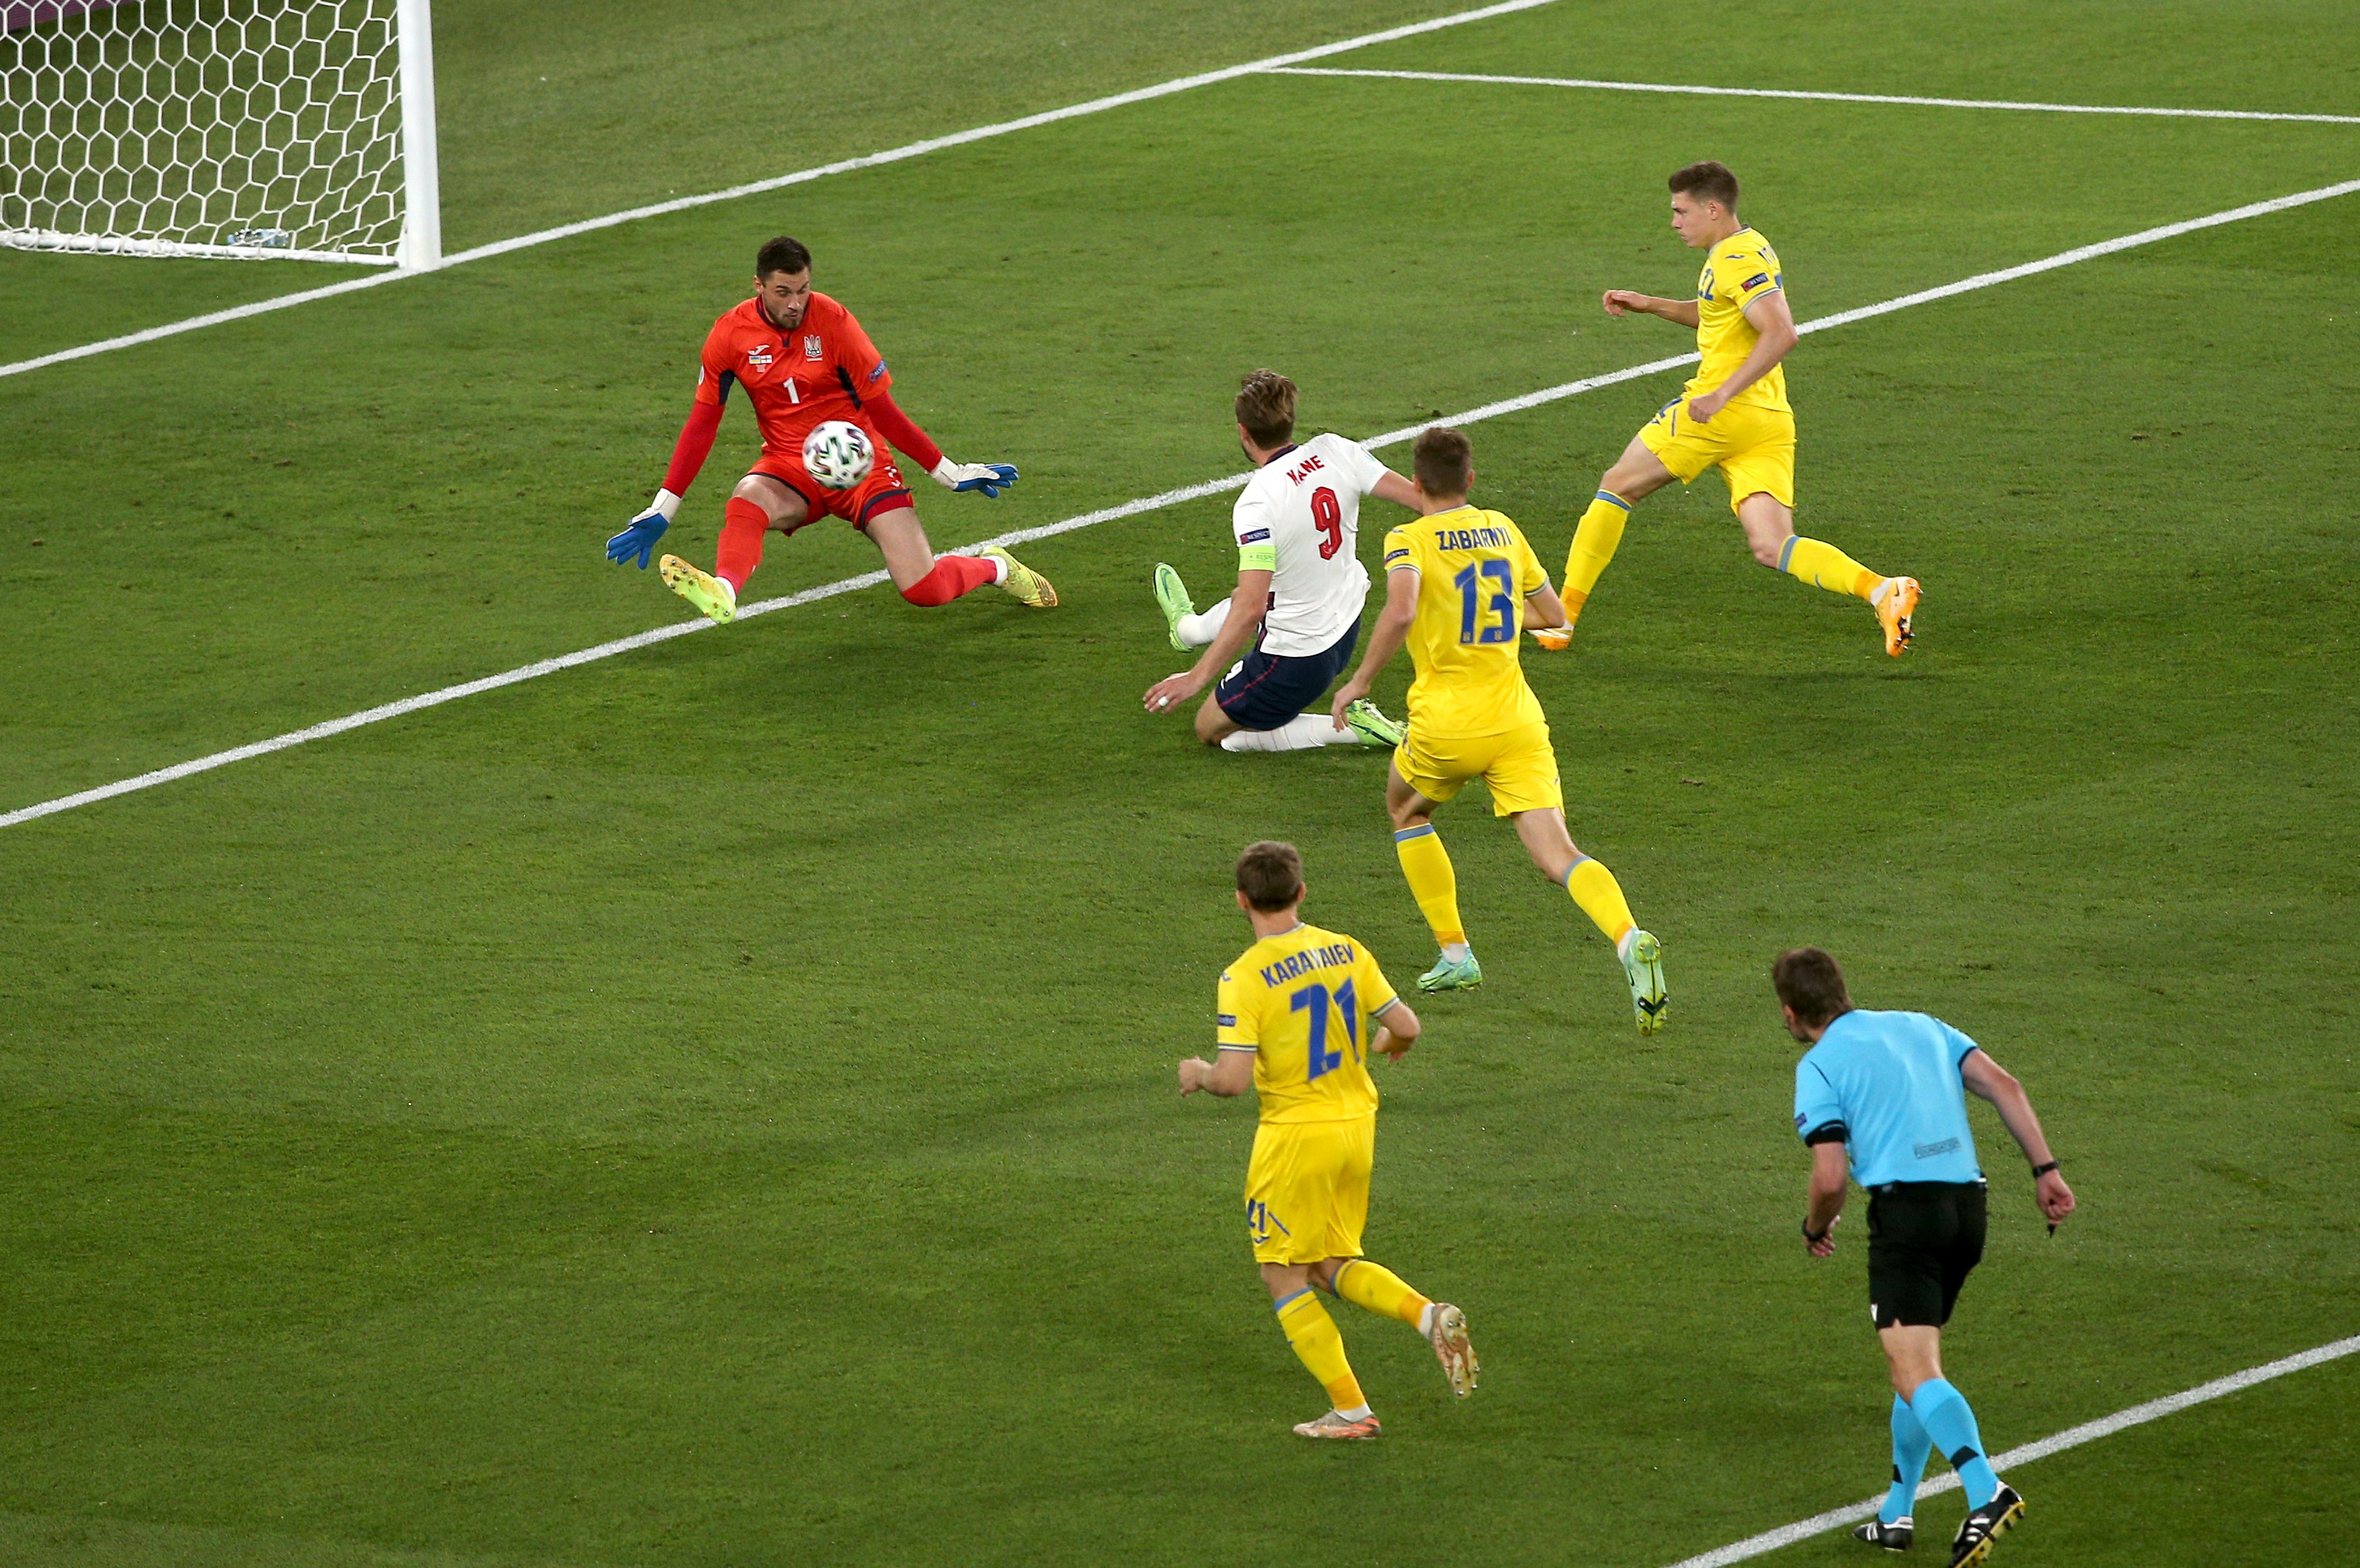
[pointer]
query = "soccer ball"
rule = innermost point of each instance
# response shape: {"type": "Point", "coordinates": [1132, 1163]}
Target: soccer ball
{"type": "Point", "coordinates": [837, 455]}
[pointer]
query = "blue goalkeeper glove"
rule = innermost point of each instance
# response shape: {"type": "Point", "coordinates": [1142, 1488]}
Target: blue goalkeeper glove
{"type": "Point", "coordinates": [989, 477]}
{"type": "Point", "coordinates": [639, 538]}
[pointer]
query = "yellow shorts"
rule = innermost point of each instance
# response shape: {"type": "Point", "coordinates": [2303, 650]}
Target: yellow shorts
{"type": "Point", "coordinates": [1753, 446]}
{"type": "Point", "coordinates": [1520, 766]}
{"type": "Point", "coordinates": [1308, 1189]}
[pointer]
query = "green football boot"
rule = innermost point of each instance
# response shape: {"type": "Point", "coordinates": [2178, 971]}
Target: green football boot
{"type": "Point", "coordinates": [1643, 967]}
{"type": "Point", "coordinates": [1172, 598]}
{"type": "Point", "coordinates": [1464, 975]}
{"type": "Point", "coordinates": [1021, 583]}
{"type": "Point", "coordinates": [1363, 719]}
{"type": "Point", "coordinates": [712, 595]}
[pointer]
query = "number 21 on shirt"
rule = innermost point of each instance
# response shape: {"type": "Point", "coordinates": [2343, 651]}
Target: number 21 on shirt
{"type": "Point", "coordinates": [1499, 616]}
{"type": "Point", "coordinates": [1316, 1000]}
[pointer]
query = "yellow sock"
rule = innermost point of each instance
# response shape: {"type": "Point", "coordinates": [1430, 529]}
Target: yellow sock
{"type": "Point", "coordinates": [1593, 546]}
{"type": "Point", "coordinates": [1381, 1291]}
{"type": "Point", "coordinates": [1824, 567]}
{"type": "Point", "coordinates": [1432, 882]}
{"type": "Point", "coordinates": [1601, 897]}
{"type": "Point", "coordinates": [1313, 1334]}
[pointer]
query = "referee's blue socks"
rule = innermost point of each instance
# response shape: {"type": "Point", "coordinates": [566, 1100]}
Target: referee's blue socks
{"type": "Point", "coordinates": [1942, 1410]}
{"type": "Point", "coordinates": [1910, 1446]}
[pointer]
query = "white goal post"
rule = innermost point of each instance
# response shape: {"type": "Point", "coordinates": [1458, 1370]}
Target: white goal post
{"type": "Point", "coordinates": [286, 129]}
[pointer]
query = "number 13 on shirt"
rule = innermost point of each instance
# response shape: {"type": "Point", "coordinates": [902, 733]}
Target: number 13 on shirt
{"type": "Point", "coordinates": [1502, 626]}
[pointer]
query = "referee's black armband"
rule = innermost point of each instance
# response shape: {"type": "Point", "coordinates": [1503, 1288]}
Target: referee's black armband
{"type": "Point", "coordinates": [1828, 1133]}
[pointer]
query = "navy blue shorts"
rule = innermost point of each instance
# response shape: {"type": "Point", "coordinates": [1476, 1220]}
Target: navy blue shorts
{"type": "Point", "coordinates": [1265, 690]}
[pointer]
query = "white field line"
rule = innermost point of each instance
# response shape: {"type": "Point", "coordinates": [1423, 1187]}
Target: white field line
{"type": "Point", "coordinates": [1821, 97]}
{"type": "Point", "coordinates": [801, 175]}
{"type": "Point", "coordinates": [1131, 508]}
{"type": "Point", "coordinates": [2071, 1437]}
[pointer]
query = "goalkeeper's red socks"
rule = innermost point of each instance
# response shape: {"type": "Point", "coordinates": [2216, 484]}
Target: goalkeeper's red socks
{"type": "Point", "coordinates": [742, 526]}
{"type": "Point", "coordinates": [953, 576]}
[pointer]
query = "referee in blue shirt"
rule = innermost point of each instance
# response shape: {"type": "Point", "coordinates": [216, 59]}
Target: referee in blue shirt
{"type": "Point", "coordinates": [1884, 1094]}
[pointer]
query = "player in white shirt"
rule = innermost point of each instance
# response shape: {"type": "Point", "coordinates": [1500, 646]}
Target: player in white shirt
{"type": "Point", "coordinates": [1289, 629]}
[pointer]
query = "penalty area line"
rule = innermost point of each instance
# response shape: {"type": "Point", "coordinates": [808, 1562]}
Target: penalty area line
{"type": "Point", "coordinates": [1599, 86]}
{"type": "Point", "coordinates": [1171, 497]}
{"type": "Point", "coordinates": [2071, 1437]}
{"type": "Point", "coordinates": [802, 176]}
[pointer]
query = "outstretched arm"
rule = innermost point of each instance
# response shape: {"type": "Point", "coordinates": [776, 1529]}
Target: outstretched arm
{"type": "Point", "coordinates": [1776, 323]}
{"type": "Point", "coordinates": [1993, 1082]}
{"type": "Point", "coordinates": [1623, 301]}
{"type": "Point", "coordinates": [902, 430]}
{"type": "Point", "coordinates": [908, 439]}
{"type": "Point", "coordinates": [1385, 640]}
{"type": "Point", "coordinates": [688, 455]}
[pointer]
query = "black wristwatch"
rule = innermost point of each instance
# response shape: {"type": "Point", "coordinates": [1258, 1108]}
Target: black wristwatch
{"type": "Point", "coordinates": [1812, 1237]}
{"type": "Point", "coordinates": [2040, 1170]}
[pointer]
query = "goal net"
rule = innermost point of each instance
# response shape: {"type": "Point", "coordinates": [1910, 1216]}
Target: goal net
{"type": "Point", "coordinates": [294, 129]}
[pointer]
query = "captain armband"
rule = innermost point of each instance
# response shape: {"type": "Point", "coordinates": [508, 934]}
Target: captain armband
{"type": "Point", "coordinates": [1258, 557]}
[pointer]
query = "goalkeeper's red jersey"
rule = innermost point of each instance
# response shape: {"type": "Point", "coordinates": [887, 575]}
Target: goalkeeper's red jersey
{"type": "Point", "coordinates": [821, 370]}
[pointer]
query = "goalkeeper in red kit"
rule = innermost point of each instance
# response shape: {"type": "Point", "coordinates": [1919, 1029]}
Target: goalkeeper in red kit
{"type": "Point", "coordinates": [804, 359]}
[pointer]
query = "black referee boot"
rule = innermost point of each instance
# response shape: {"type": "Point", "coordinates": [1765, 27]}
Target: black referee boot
{"type": "Point", "coordinates": [1894, 1536]}
{"type": "Point", "coordinates": [1983, 1526]}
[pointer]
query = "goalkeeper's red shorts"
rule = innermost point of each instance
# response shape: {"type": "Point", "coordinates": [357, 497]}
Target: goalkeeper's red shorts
{"type": "Point", "coordinates": [882, 490]}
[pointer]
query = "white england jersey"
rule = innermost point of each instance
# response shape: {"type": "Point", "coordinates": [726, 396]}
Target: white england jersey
{"type": "Point", "coordinates": [1304, 507]}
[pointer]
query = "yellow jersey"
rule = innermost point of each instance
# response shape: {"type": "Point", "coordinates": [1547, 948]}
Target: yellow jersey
{"type": "Point", "coordinates": [1474, 572]}
{"type": "Point", "coordinates": [1305, 1003]}
{"type": "Point", "coordinates": [1738, 271]}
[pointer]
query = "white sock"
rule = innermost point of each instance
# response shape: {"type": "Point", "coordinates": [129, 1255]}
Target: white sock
{"type": "Point", "coordinates": [1876, 594]}
{"type": "Point", "coordinates": [1456, 952]}
{"type": "Point", "coordinates": [999, 569]}
{"type": "Point", "coordinates": [1199, 629]}
{"type": "Point", "coordinates": [1299, 733]}
{"type": "Point", "coordinates": [1425, 1317]}
{"type": "Point", "coordinates": [1623, 947]}
{"type": "Point", "coordinates": [1357, 1413]}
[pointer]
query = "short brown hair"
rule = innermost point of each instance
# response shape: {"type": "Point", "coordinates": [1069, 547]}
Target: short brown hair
{"type": "Point", "coordinates": [781, 255]}
{"type": "Point", "coordinates": [1444, 461]}
{"type": "Point", "coordinates": [1270, 875]}
{"type": "Point", "coordinates": [1710, 181]}
{"type": "Point", "coordinates": [1266, 407]}
{"type": "Point", "coordinates": [1809, 981]}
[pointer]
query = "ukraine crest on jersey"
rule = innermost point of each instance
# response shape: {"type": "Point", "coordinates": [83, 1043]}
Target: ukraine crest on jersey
{"type": "Point", "coordinates": [1303, 1003]}
{"type": "Point", "coordinates": [1738, 271]}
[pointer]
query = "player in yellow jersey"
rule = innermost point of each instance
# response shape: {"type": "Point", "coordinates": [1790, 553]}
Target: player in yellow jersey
{"type": "Point", "coordinates": [1733, 412]}
{"type": "Point", "coordinates": [1460, 583]}
{"type": "Point", "coordinates": [1302, 1011]}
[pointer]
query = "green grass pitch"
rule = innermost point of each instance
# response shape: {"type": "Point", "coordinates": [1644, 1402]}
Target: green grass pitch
{"type": "Point", "coordinates": [714, 1106]}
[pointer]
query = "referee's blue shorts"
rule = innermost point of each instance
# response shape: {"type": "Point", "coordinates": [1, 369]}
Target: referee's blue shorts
{"type": "Point", "coordinates": [1262, 691]}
